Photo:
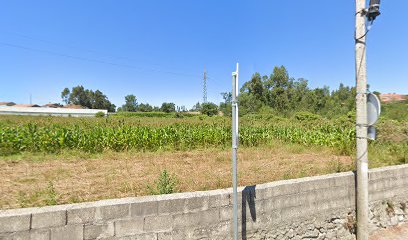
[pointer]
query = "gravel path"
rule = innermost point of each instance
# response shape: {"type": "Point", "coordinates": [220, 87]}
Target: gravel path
{"type": "Point", "coordinates": [395, 233]}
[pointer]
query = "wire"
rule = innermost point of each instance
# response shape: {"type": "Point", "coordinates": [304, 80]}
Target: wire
{"type": "Point", "coordinates": [94, 60]}
{"type": "Point", "coordinates": [368, 29]}
{"type": "Point", "coordinates": [67, 45]}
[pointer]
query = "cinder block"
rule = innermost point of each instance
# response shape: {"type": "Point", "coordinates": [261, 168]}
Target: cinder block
{"type": "Point", "coordinates": [196, 219]}
{"type": "Point", "coordinates": [280, 189]}
{"type": "Point", "coordinates": [49, 219]}
{"type": "Point", "coordinates": [39, 234]}
{"type": "Point", "coordinates": [68, 232]}
{"type": "Point", "coordinates": [176, 234]}
{"type": "Point", "coordinates": [290, 213]}
{"type": "Point", "coordinates": [195, 204]}
{"type": "Point", "coordinates": [220, 199]}
{"type": "Point", "coordinates": [164, 236]}
{"type": "Point", "coordinates": [129, 227]}
{"type": "Point", "coordinates": [225, 213]}
{"type": "Point", "coordinates": [143, 236]}
{"type": "Point", "coordinates": [311, 184]}
{"type": "Point", "coordinates": [82, 215]}
{"type": "Point", "coordinates": [158, 223]}
{"type": "Point", "coordinates": [170, 206]}
{"type": "Point", "coordinates": [97, 231]}
{"type": "Point", "coordinates": [114, 211]}
{"type": "Point", "coordinates": [14, 223]}
{"type": "Point", "coordinates": [25, 235]}
{"type": "Point", "coordinates": [147, 208]}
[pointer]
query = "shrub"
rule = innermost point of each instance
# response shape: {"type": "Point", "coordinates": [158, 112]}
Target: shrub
{"type": "Point", "coordinates": [209, 109]}
{"type": "Point", "coordinates": [306, 116]}
{"type": "Point", "coordinates": [164, 185]}
{"type": "Point", "coordinates": [99, 114]}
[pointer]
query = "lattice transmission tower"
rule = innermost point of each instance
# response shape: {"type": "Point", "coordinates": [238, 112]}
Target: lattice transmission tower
{"type": "Point", "coordinates": [205, 86]}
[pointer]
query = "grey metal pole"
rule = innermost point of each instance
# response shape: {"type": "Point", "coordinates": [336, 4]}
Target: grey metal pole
{"type": "Point", "coordinates": [234, 150]}
{"type": "Point", "coordinates": [361, 122]}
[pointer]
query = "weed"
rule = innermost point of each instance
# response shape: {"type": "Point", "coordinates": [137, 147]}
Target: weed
{"type": "Point", "coordinates": [165, 184]}
{"type": "Point", "coordinates": [51, 194]}
{"type": "Point", "coordinates": [351, 224]}
{"type": "Point", "coordinates": [390, 208]}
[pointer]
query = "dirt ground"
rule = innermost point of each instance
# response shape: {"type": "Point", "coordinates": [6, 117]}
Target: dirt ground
{"type": "Point", "coordinates": [395, 233]}
{"type": "Point", "coordinates": [45, 181]}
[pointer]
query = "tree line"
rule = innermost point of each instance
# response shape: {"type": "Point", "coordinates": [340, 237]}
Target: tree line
{"type": "Point", "coordinates": [97, 100]}
{"type": "Point", "coordinates": [277, 93]}
{"type": "Point", "coordinates": [283, 95]}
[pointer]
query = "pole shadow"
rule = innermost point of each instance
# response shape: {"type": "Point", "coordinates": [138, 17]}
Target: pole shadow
{"type": "Point", "coordinates": [248, 197]}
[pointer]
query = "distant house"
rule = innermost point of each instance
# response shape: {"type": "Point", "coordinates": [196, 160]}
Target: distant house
{"type": "Point", "coordinates": [52, 105]}
{"type": "Point", "coordinates": [7, 104]}
{"type": "Point", "coordinates": [392, 97]}
{"type": "Point", "coordinates": [72, 106]}
{"type": "Point", "coordinates": [26, 105]}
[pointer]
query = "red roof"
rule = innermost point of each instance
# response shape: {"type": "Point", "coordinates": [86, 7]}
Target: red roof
{"type": "Point", "coordinates": [52, 105]}
{"type": "Point", "coordinates": [7, 104]}
{"type": "Point", "coordinates": [73, 106]}
{"type": "Point", "coordinates": [392, 97]}
{"type": "Point", "coordinates": [26, 105]}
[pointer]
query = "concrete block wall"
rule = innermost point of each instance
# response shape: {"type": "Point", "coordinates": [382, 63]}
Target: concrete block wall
{"type": "Point", "coordinates": [313, 208]}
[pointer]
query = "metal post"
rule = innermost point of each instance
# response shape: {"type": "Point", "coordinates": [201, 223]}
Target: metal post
{"type": "Point", "coordinates": [234, 149]}
{"type": "Point", "coordinates": [361, 122]}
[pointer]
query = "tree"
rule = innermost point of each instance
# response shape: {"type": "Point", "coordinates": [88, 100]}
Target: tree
{"type": "Point", "coordinates": [255, 87]}
{"type": "Point", "coordinates": [225, 107]}
{"type": "Point", "coordinates": [87, 98]}
{"type": "Point", "coordinates": [130, 103]}
{"type": "Point", "coordinates": [80, 96]}
{"type": "Point", "coordinates": [145, 108]}
{"type": "Point", "coordinates": [168, 107]}
{"type": "Point", "coordinates": [65, 95]}
{"type": "Point", "coordinates": [209, 109]}
{"type": "Point", "coordinates": [196, 107]}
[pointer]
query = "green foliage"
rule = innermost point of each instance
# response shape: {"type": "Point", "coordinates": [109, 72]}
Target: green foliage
{"type": "Point", "coordinates": [168, 107]}
{"type": "Point", "coordinates": [96, 136]}
{"type": "Point", "coordinates": [196, 107]}
{"type": "Point", "coordinates": [165, 184]}
{"type": "Point", "coordinates": [100, 114]}
{"type": "Point", "coordinates": [396, 110]}
{"type": "Point", "coordinates": [130, 103]}
{"type": "Point", "coordinates": [65, 95]}
{"type": "Point", "coordinates": [286, 96]}
{"type": "Point", "coordinates": [87, 98]}
{"type": "Point", "coordinates": [209, 109]}
{"type": "Point", "coordinates": [152, 115]}
{"type": "Point", "coordinates": [152, 132]}
{"type": "Point", "coordinates": [306, 116]}
{"type": "Point", "coordinates": [51, 194]}
{"type": "Point", "coordinates": [42, 197]}
{"type": "Point", "coordinates": [145, 107]}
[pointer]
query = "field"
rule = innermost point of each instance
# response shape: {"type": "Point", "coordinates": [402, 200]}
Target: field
{"type": "Point", "coordinates": [51, 160]}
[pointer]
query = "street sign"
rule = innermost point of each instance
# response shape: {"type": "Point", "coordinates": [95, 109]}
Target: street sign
{"type": "Point", "coordinates": [373, 109]}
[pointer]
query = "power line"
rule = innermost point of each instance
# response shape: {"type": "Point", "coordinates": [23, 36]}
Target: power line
{"type": "Point", "coordinates": [94, 60]}
{"type": "Point", "coordinates": [68, 45]}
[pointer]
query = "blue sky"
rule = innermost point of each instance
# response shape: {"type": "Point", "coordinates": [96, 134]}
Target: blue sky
{"type": "Point", "coordinates": [157, 50]}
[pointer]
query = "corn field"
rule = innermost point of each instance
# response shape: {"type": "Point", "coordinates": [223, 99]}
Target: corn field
{"type": "Point", "coordinates": [92, 135]}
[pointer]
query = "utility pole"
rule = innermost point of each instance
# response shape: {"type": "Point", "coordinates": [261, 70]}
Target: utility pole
{"type": "Point", "coordinates": [205, 86]}
{"type": "Point", "coordinates": [235, 139]}
{"type": "Point", "coordinates": [361, 121]}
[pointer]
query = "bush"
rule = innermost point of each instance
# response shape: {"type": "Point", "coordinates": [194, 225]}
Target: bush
{"type": "Point", "coordinates": [209, 109]}
{"type": "Point", "coordinates": [99, 114]}
{"type": "Point", "coordinates": [306, 116]}
{"type": "Point", "coordinates": [164, 185]}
